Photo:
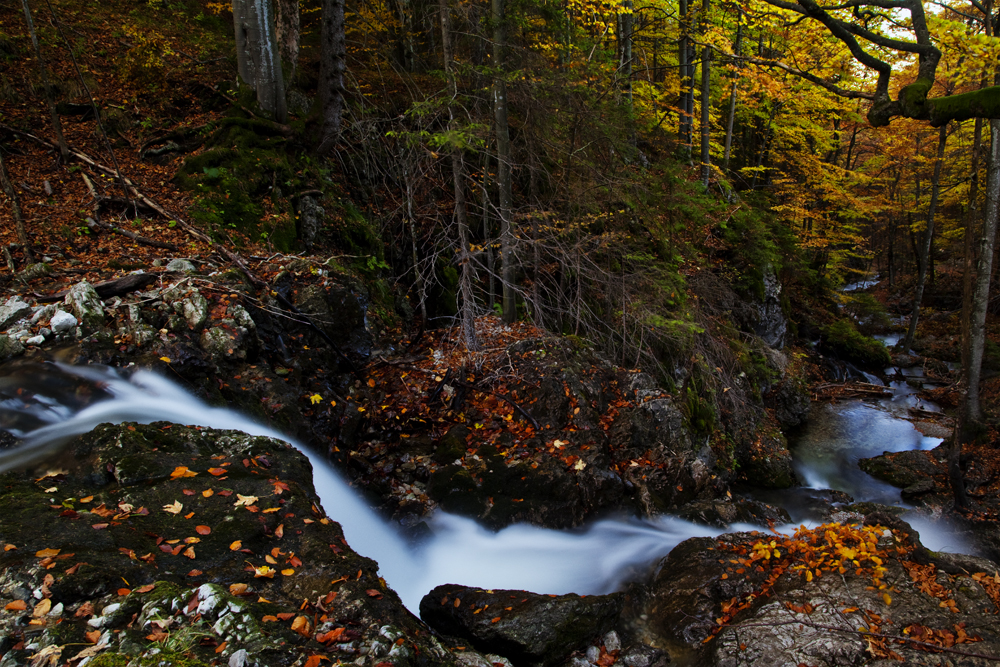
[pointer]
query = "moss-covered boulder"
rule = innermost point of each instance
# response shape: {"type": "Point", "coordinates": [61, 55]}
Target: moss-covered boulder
{"type": "Point", "coordinates": [161, 542]}
{"type": "Point", "coordinates": [844, 340]}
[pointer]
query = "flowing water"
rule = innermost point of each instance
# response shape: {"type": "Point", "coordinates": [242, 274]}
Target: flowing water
{"type": "Point", "coordinates": [597, 559]}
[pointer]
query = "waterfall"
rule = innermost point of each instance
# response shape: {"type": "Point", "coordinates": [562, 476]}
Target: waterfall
{"type": "Point", "coordinates": [594, 560]}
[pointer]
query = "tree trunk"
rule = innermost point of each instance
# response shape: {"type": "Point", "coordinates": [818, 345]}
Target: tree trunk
{"type": "Point", "coordinates": [925, 250]}
{"type": "Point", "coordinates": [288, 32]}
{"type": "Point", "coordinates": [333, 54]}
{"type": "Point", "coordinates": [418, 277]}
{"type": "Point", "coordinates": [505, 203]}
{"type": "Point", "coordinates": [467, 269]}
{"type": "Point", "coordinates": [731, 117]}
{"type": "Point", "coordinates": [972, 413]}
{"type": "Point", "coordinates": [43, 70]}
{"type": "Point", "coordinates": [15, 206]}
{"type": "Point", "coordinates": [257, 58]}
{"type": "Point", "coordinates": [684, 122]}
{"type": "Point", "coordinates": [706, 102]}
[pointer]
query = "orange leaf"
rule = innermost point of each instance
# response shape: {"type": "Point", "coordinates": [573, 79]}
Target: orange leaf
{"type": "Point", "coordinates": [313, 660]}
{"type": "Point", "coordinates": [217, 471]}
{"type": "Point", "coordinates": [236, 546]}
{"type": "Point", "coordinates": [238, 589]}
{"type": "Point", "coordinates": [285, 615]}
{"type": "Point", "coordinates": [221, 647]}
{"type": "Point", "coordinates": [302, 626]}
{"type": "Point", "coordinates": [46, 553]}
{"type": "Point", "coordinates": [207, 493]}
{"type": "Point", "coordinates": [202, 530]}
{"type": "Point", "coordinates": [288, 572]}
{"type": "Point", "coordinates": [145, 589]}
{"type": "Point", "coordinates": [124, 591]}
{"type": "Point", "coordinates": [195, 573]}
{"type": "Point", "coordinates": [182, 471]}
{"type": "Point", "coordinates": [279, 532]}
{"type": "Point", "coordinates": [330, 636]}
{"type": "Point", "coordinates": [269, 619]}
{"type": "Point", "coordinates": [16, 605]}
{"type": "Point", "coordinates": [92, 636]}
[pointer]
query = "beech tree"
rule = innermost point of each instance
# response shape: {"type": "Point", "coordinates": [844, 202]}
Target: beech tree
{"type": "Point", "coordinates": [257, 56]}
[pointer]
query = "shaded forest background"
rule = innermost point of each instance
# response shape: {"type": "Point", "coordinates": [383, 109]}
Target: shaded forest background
{"type": "Point", "coordinates": [655, 168]}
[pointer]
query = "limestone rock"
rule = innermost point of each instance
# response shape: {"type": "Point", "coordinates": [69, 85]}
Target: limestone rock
{"type": "Point", "coordinates": [62, 322]}
{"type": "Point", "coordinates": [181, 265]}
{"type": "Point", "coordinates": [84, 303]}
{"type": "Point", "coordinates": [13, 310]}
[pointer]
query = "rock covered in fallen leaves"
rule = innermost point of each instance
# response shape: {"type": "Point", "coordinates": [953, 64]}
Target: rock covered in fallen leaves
{"type": "Point", "coordinates": [527, 628]}
{"type": "Point", "coordinates": [838, 594]}
{"type": "Point", "coordinates": [193, 545]}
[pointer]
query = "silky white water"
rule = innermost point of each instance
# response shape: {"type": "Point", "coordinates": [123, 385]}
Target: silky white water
{"type": "Point", "coordinates": [598, 559]}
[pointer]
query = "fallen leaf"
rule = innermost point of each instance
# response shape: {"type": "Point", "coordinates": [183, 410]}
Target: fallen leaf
{"type": "Point", "coordinates": [279, 532]}
{"type": "Point", "coordinates": [16, 605]}
{"type": "Point", "coordinates": [146, 588]}
{"type": "Point", "coordinates": [313, 660]}
{"type": "Point", "coordinates": [99, 526]}
{"type": "Point", "coordinates": [182, 471]}
{"type": "Point", "coordinates": [236, 546]}
{"type": "Point", "coordinates": [288, 572]}
{"type": "Point", "coordinates": [221, 647]}
{"type": "Point", "coordinates": [269, 619]}
{"type": "Point", "coordinates": [86, 499]}
{"type": "Point", "coordinates": [285, 615]}
{"type": "Point", "coordinates": [207, 493]}
{"type": "Point", "coordinates": [202, 530]}
{"type": "Point", "coordinates": [242, 500]}
{"type": "Point", "coordinates": [89, 652]}
{"type": "Point", "coordinates": [165, 359]}
{"type": "Point", "coordinates": [302, 626]}
{"type": "Point", "coordinates": [238, 589]}
{"type": "Point", "coordinates": [124, 591]}
{"type": "Point", "coordinates": [189, 552]}
{"type": "Point", "coordinates": [92, 636]}
{"type": "Point", "coordinates": [195, 573]}
{"type": "Point", "coordinates": [330, 636]}
{"type": "Point", "coordinates": [217, 471]}
{"type": "Point", "coordinates": [157, 636]}
{"type": "Point", "coordinates": [42, 608]}
{"type": "Point", "coordinates": [372, 593]}
{"type": "Point", "coordinates": [9, 547]}
{"type": "Point", "coordinates": [49, 655]}
{"type": "Point", "coordinates": [174, 507]}
{"type": "Point", "coordinates": [47, 553]}
{"type": "Point", "coordinates": [263, 572]}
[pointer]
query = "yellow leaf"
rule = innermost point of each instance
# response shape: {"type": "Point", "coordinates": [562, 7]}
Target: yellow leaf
{"type": "Point", "coordinates": [165, 359]}
{"type": "Point", "coordinates": [887, 598]}
{"type": "Point", "coordinates": [236, 546]}
{"type": "Point", "coordinates": [315, 398]}
{"type": "Point", "coordinates": [288, 572]}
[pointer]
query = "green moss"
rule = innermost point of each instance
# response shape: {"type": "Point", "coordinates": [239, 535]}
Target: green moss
{"type": "Point", "coordinates": [844, 340]}
{"type": "Point", "coordinates": [110, 660]}
{"type": "Point", "coordinates": [913, 98]}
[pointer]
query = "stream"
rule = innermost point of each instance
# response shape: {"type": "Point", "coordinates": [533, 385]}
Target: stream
{"type": "Point", "coordinates": [596, 559]}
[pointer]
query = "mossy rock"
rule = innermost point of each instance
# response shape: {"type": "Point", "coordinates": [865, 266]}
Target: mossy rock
{"type": "Point", "coordinates": [844, 340]}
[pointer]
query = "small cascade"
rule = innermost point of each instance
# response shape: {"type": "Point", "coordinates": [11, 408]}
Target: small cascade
{"type": "Point", "coordinates": [594, 560]}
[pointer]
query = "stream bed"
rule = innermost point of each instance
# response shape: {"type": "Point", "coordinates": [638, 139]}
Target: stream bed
{"type": "Point", "coordinates": [595, 559]}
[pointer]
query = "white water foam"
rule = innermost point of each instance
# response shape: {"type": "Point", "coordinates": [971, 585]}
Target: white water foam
{"type": "Point", "coordinates": [595, 560]}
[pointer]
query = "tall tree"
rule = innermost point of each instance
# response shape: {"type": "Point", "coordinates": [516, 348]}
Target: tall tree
{"type": "Point", "coordinates": [466, 279]}
{"type": "Point", "coordinates": [15, 207]}
{"type": "Point", "coordinates": [257, 56]}
{"type": "Point", "coordinates": [504, 175]}
{"type": "Point", "coordinates": [43, 71]}
{"type": "Point", "coordinates": [332, 63]}
{"type": "Point", "coordinates": [925, 250]}
{"type": "Point", "coordinates": [289, 32]}
{"type": "Point", "coordinates": [706, 99]}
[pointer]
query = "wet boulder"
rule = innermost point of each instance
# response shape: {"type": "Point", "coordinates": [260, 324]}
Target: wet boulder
{"type": "Point", "coordinates": [724, 512]}
{"type": "Point", "coordinates": [902, 469]}
{"type": "Point", "coordinates": [527, 628]}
